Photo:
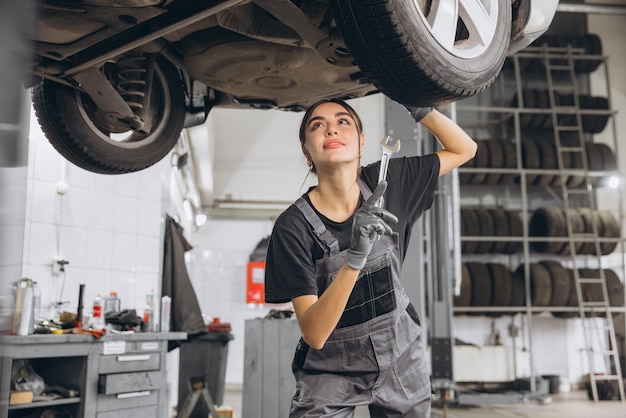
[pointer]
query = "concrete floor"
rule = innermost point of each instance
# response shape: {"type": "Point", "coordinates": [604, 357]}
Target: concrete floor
{"type": "Point", "coordinates": [563, 405]}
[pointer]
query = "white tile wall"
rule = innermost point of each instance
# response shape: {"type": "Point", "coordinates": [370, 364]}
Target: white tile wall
{"type": "Point", "coordinates": [109, 228]}
{"type": "Point", "coordinates": [217, 268]}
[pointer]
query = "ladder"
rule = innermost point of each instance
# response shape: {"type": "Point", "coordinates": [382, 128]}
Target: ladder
{"type": "Point", "coordinates": [598, 329]}
{"type": "Point", "coordinates": [198, 391]}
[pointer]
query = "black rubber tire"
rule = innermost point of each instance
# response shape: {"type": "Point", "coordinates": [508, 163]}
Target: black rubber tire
{"type": "Point", "coordinates": [609, 159]}
{"type": "Point", "coordinates": [578, 227]}
{"type": "Point", "coordinates": [547, 222]}
{"type": "Point", "coordinates": [572, 301]}
{"type": "Point", "coordinates": [516, 230]}
{"type": "Point", "coordinates": [561, 282]}
{"type": "Point", "coordinates": [615, 288]}
{"type": "Point", "coordinates": [610, 229]}
{"type": "Point", "coordinates": [496, 160]}
{"type": "Point", "coordinates": [529, 102]}
{"type": "Point", "coordinates": [547, 156]}
{"type": "Point", "coordinates": [471, 228]}
{"type": "Point", "coordinates": [530, 159]}
{"type": "Point", "coordinates": [518, 290]}
{"type": "Point", "coordinates": [543, 118]}
{"type": "Point", "coordinates": [589, 217]}
{"type": "Point", "coordinates": [591, 292]}
{"type": "Point", "coordinates": [566, 160]}
{"type": "Point", "coordinates": [500, 229]}
{"type": "Point", "coordinates": [485, 222]}
{"type": "Point", "coordinates": [540, 285]}
{"type": "Point", "coordinates": [510, 161]}
{"type": "Point", "coordinates": [589, 42]}
{"type": "Point", "coordinates": [65, 119]}
{"type": "Point", "coordinates": [566, 119]}
{"type": "Point", "coordinates": [502, 286]}
{"type": "Point", "coordinates": [396, 51]}
{"type": "Point", "coordinates": [481, 285]}
{"type": "Point", "coordinates": [594, 162]}
{"type": "Point", "coordinates": [593, 124]}
{"type": "Point", "coordinates": [575, 159]}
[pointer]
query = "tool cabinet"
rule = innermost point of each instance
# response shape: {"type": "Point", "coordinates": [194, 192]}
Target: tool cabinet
{"type": "Point", "coordinates": [119, 376]}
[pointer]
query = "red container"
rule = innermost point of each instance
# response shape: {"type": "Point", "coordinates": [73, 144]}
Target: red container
{"type": "Point", "coordinates": [255, 282]}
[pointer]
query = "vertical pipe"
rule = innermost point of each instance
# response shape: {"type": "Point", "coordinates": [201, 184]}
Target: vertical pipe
{"type": "Point", "coordinates": [16, 27]}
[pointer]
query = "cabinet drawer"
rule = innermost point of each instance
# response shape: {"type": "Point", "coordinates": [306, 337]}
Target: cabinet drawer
{"type": "Point", "coordinates": [128, 400]}
{"type": "Point", "coordinates": [135, 362]}
{"type": "Point", "coordinates": [150, 411]}
{"type": "Point", "coordinates": [112, 384]}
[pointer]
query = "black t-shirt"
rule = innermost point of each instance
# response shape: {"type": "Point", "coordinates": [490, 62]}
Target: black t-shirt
{"type": "Point", "coordinates": [293, 248]}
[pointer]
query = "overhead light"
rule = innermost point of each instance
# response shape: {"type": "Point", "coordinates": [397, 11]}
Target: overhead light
{"type": "Point", "coordinates": [201, 219]}
{"type": "Point", "coordinates": [613, 182]}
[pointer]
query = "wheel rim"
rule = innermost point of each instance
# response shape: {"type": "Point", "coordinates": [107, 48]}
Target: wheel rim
{"type": "Point", "coordinates": [464, 28]}
{"type": "Point", "coordinates": [160, 109]}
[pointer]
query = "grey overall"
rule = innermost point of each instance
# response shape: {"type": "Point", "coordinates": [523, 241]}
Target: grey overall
{"type": "Point", "coordinates": [375, 356]}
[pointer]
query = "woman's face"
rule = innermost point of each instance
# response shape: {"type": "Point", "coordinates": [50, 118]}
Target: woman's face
{"type": "Point", "coordinates": [332, 137]}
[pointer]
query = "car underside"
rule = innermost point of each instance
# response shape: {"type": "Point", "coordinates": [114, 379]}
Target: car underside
{"type": "Point", "coordinates": [136, 72]}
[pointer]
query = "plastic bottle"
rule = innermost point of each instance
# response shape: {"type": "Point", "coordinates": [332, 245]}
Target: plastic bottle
{"type": "Point", "coordinates": [148, 314]}
{"type": "Point", "coordinates": [166, 306]}
{"type": "Point", "coordinates": [96, 313]}
{"type": "Point", "coordinates": [36, 302]}
{"type": "Point", "coordinates": [112, 303]}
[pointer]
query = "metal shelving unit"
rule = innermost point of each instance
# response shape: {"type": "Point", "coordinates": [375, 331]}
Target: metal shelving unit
{"type": "Point", "coordinates": [493, 113]}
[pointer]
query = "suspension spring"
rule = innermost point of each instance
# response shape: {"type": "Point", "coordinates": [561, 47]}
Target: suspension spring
{"type": "Point", "coordinates": [131, 82]}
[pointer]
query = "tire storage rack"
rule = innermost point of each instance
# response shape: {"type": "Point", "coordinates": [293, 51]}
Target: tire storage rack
{"type": "Point", "coordinates": [533, 237]}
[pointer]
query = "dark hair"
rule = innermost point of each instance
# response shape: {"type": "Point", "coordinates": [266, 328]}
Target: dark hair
{"type": "Point", "coordinates": [307, 116]}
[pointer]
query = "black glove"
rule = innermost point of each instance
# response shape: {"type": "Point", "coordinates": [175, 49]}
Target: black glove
{"type": "Point", "coordinates": [369, 223]}
{"type": "Point", "coordinates": [419, 113]}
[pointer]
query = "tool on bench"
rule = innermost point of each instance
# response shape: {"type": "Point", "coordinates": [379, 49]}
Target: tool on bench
{"type": "Point", "coordinates": [388, 150]}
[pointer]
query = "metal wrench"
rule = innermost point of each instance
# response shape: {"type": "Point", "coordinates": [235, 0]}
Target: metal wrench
{"type": "Point", "coordinates": [388, 150]}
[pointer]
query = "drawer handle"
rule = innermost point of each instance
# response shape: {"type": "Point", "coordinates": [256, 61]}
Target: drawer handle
{"type": "Point", "coordinates": [133, 394]}
{"type": "Point", "coordinates": [138, 357]}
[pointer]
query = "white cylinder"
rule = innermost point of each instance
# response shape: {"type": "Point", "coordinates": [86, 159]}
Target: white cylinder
{"type": "Point", "coordinates": [23, 319]}
{"type": "Point", "coordinates": [166, 306]}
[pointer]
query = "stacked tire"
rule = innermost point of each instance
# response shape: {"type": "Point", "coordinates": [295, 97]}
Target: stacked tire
{"type": "Point", "coordinates": [538, 152]}
{"type": "Point", "coordinates": [539, 100]}
{"type": "Point", "coordinates": [489, 285]}
{"type": "Point", "coordinates": [491, 222]}
{"type": "Point", "coordinates": [551, 222]}
{"type": "Point", "coordinates": [583, 44]}
{"type": "Point", "coordinates": [551, 286]}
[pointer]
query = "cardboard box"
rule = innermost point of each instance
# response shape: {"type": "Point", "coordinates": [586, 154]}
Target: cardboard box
{"type": "Point", "coordinates": [225, 412]}
{"type": "Point", "coordinates": [18, 397]}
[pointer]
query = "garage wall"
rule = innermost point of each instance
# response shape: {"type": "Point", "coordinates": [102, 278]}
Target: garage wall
{"type": "Point", "coordinates": [109, 228]}
{"type": "Point", "coordinates": [612, 30]}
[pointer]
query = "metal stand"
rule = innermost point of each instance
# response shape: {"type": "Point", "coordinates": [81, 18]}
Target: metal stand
{"type": "Point", "coordinates": [198, 389]}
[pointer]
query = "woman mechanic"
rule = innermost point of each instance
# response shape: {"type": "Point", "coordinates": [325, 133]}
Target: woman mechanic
{"type": "Point", "coordinates": [336, 255]}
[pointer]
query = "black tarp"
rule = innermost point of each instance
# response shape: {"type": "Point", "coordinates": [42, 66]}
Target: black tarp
{"type": "Point", "coordinates": [186, 314]}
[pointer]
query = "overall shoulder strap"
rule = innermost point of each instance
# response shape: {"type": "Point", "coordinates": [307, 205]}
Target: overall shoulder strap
{"type": "Point", "coordinates": [365, 191]}
{"type": "Point", "coordinates": [323, 234]}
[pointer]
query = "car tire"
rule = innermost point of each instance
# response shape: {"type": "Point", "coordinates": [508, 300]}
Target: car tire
{"type": "Point", "coordinates": [71, 125]}
{"type": "Point", "coordinates": [411, 62]}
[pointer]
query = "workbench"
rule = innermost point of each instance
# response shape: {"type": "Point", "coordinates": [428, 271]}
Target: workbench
{"type": "Point", "coordinates": [117, 376]}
